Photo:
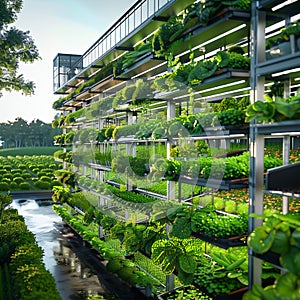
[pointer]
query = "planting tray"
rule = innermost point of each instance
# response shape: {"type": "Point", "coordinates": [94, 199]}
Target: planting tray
{"type": "Point", "coordinates": [284, 178]}
{"type": "Point", "coordinates": [234, 295]}
{"type": "Point", "coordinates": [269, 257]}
{"type": "Point", "coordinates": [166, 295]}
{"type": "Point", "coordinates": [235, 241]}
{"type": "Point", "coordinates": [228, 129]}
{"type": "Point", "coordinates": [224, 184]}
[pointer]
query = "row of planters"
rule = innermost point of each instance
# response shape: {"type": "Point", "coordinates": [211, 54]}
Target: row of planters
{"type": "Point", "coordinates": [193, 261]}
{"type": "Point", "coordinates": [186, 220]}
{"type": "Point", "coordinates": [234, 201]}
{"type": "Point", "coordinates": [182, 74]}
{"type": "Point", "coordinates": [225, 114]}
{"type": "Point", "coordinates": [137, 200]}
{"type": "Point", "coordinates": [28, 173]}
{"type": "Point", "coordinates": [127, 270]}
{"type": "Point", "coordinates": [22, 271]}
{"type": "Point", "coordinates": [227, 168]}
{"type": "Point", "coordinates": [165, 42]}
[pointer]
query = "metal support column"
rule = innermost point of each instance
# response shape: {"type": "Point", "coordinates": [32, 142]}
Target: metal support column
{"type": "Point", "coordinates": [286, 145]}
{"type": "Point", "coordinates": [256, 175]}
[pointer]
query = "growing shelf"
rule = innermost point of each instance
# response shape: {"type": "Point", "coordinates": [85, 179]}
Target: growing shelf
{"type": "Point", "coordinates": [146, 66]}
{"type": "Point", "coordinates": [279, 64]}
{"type": "Point", "coordinates": [213, 183]}
{"type": "Point", "coordinates": [284, 179]}
{"type": "Point", "coordinates": [279, 180]}
{"type": "Point", "coordinates": [236, 241]}
{"type": "Point", "coordinates": [97, 88]}
{"type": "Point", "coordinates": [223, 81]}
{"type": "Point", "coordinates": [287, 10]}
{"type": "Point", "coordinates": [228, 26]}
{"type": "Point", "coordinates": [289, 127]}
{"type": "Point", "coordinates": [100, 167]}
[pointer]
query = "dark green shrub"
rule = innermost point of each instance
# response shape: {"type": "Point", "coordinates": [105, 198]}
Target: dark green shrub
{"type": "Point", "coordinates": [18, 179]}
{"type": "Point", "coordinates": [55, 183]}
{"type": "Point", "coordinates": [50, 174]}
{"type": "Point", "coordinates": [17, 174]}
{"type": "Point", "coordinates": [54, 166]}
{"type": "Point", "coordinates": [7, 180]}
{"type": "Point", "coordinates": [15, 233]}
{"type": "Point", "coordinates": [30, 278]}
{"type": "Point", "coordinates": [24, 186]}
{"type": "Point", "coordinates": [22, 166]}
{"type": "Point", "coordinates": [43, 185]}
{"type": "Point", "coordinates": [42, 173]}
{"type": "Point", "coordinates": [35, 170]}
{"type": "Point", "coordinates": [13, 186]}
{"type": "Point", "coordinates": [7, 175]}
{"type": "Point", "coordinates": [4, 186]}
{"type": "Point", "coordinates": [45, 178]}
{"type": "Point", "coordinates": [26, 176]}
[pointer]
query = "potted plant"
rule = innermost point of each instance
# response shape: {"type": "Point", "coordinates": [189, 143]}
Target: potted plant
{"type": "Point", "coordinates": [281, 44]}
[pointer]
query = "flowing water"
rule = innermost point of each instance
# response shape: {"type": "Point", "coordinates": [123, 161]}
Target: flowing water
{"type": "Point", "coordinates": [74, 279]}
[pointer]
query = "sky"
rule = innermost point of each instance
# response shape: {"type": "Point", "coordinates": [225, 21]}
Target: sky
{"type": "Point", "coordinates": [56, 26]}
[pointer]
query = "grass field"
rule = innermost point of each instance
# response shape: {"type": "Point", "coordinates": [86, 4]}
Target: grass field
{"type": "Point", "coordinates": [30, 151]}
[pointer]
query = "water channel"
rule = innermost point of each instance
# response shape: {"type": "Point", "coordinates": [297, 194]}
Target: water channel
{"type": "Point", "coordinates": [64, 256]}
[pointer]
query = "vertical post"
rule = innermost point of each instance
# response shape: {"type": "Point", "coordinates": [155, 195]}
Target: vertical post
{"type": "Point", "coordinates": [170, 279]}
{"type": "Point", "coordinates": [256, 176]}
{"type": "Point", "coordinates": [130, 150]}
{"type": "Point", "coordinates": [100, 228]}
{"type": "Point", "coordinates": [286, 145]}
{"type": "Point", "coordinates": [64, 150]}
{"type": "Point", "coordinates": [170, 190]}
{"type": "Point", "coordinates": [171, 113]}
{"type": "Point", "coordinates": [256, 193]}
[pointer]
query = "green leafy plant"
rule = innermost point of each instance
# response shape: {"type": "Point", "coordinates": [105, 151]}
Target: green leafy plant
{"type": "Point", "coordinates": [279, 234]}
{"type": "Point", "coordinates": [187, 293]}
{"type": "Point", "coordinates": [66, 177]}
{"type": "Point", "coordinates": [177, 254]}
{"type": "Point", "coordinates": [166, 34]}
{"type": "Point", "coordinates": [219, 225]}
{"type": "Point", "coordinates": [274, 110]}
{"type": "Point", "coordinates": [202, 70]}
{"type": "Point", "coordinates": [284, 35]}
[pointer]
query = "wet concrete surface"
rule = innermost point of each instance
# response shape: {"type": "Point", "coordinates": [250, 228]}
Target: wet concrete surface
{"type": "Point", "coordinates": [75, 266]}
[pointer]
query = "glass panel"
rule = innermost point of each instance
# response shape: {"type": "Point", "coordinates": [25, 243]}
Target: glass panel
{"type": "Point", "coordinates": [151, 7]}
{"type": "Point", "coordinates": [137, 17]}
{"type": "Point", "coordinates": [123, 29]}
{"type": "Point", "coordinates": [130, 22]}
{"type": "Point", "coordinates": [144, 11]}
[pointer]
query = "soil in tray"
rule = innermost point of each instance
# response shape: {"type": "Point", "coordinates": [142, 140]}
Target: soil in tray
{"type": "Point", "coordinates": [115, 288]}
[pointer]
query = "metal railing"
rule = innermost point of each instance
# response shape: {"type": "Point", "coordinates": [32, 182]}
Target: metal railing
{"type": "Point", "coordinates": [140, 12]}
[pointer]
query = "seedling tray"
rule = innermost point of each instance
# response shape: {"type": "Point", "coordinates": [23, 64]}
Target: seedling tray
{"type": "Point", "coordinates": [235, 241]}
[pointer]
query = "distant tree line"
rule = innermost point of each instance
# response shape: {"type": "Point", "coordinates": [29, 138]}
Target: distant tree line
{"type": "Point", "coordinates": [21, 133]}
